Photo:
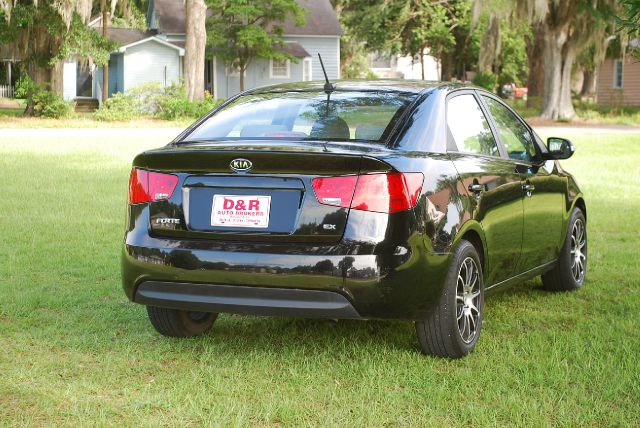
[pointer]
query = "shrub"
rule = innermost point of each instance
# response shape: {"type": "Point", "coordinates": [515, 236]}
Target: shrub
{"type": "Point", "coordinates": [24, 85]}
{"type": "Point", "coordinates": [50, 104]}
{"type": "Point", "coordinates": [206, 105]}
{"type": "Point", "coordinates": [120, 107]}
{"type": "Point", "coordinates": [169, 103]}
{"type": "Point", "coordinates": [174, 103]}
{"type": "Point", "coordinates": [45, 103]}
{"type": "Point", "coordinates": [147, 96]}
{"type": "Point", "coordinates": [488, 81]}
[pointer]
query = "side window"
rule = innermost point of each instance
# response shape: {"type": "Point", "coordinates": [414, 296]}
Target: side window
{"type": "Point", "coordinates": [516, 137]}
{"type": "Point", "coordinates": [469, 127]}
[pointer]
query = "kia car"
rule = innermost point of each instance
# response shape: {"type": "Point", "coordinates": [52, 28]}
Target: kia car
{"type": "Point", "coordinates": [358, 200]}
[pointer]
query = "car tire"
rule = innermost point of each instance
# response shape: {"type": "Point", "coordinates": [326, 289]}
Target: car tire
{"type": "Point", "coordinates": [178, 323]}
{"type": "Point", "coordinates": [571, 268]}
{"type": "Point", "coordinates": [452, 328]}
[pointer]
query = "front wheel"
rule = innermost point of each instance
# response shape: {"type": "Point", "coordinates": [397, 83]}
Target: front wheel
{"type": "Point", "coordinates": [571, 268]}
{"type": "Point", "coordinates": [452, 328]}
{"type": "Point", "coordinates": [178, 323]}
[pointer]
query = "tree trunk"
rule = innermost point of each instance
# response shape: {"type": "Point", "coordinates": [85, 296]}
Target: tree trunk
{"type": "Point", "coordinates": [422, 61]}
{"type": "Point", "coordinates": [105, 68]}
{"type": "Point", "coordinates": [195, 49]}
{"type": "Point", "coordinates": [445, 67]}
{"type": "Point", "coordinates": [242, 68]}
{"type": "Point", "coordinates": [56, 78]}
{"type": "Point", "coordinates": [490, 47]}
{"type": "Point", "coordinates": [559, 56]}
{"type": "Point", "coordinates": [588, 83]}
{"type": "Point", "coordinates": [535, 52]}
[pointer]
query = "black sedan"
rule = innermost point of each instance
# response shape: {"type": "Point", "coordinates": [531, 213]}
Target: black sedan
{"type": "Point", "coordinates": [366, 200]}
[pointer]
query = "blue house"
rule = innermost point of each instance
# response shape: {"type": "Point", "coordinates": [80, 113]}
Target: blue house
{"type": "Point", "coordinates": [156, 55]}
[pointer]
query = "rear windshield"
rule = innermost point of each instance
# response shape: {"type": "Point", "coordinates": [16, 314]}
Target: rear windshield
{"type": "Point", "coordinates": [341, 116]}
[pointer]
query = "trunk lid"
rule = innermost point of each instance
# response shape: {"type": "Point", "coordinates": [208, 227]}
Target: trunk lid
{"type": "Point", "coordinates": [211, 201]}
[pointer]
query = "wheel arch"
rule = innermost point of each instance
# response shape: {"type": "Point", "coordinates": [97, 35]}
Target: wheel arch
{"type": "Point", "coordinates": [580, 203]}
{"type": "Point", "coordinates": [472, 232]}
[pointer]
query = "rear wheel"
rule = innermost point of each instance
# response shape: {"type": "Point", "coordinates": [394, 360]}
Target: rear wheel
{"type": "Point", "coordinates": [571, 268]}
{"type": "Point", "coordinates": [452, 328]}
{"type": "Point", "coordinates": [178, 323]}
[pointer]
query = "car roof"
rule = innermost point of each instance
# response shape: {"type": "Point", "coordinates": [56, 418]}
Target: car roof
{"type": "Point", "coordinates": [390, 85]}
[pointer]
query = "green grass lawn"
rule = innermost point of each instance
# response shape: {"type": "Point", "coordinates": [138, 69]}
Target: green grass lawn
{"type": "Point", "coordinates": [588, 113]}
{"type": "Point", "coordinates": [75, 352]}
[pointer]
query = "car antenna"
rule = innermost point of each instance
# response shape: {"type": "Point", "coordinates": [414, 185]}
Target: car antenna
{"type": "Point", "coordinates": [328, 89]}
{"type": "Point", "coordinates": [328, 86]}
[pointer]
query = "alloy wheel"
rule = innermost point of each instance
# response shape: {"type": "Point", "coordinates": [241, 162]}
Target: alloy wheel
{"type": "Point", "coordinates": [468, 300]}
{"type": "Point", "coordinates": [578, 251]}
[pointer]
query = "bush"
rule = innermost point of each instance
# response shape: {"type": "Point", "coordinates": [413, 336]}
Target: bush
{"type": "Point", "coordinates": [147, 96]}
{"type": "Point", "coordinates": [206, 105]}
{"type": "Point", "coordinates": [24, 85]}
{"type": "Point", "coordinates": [169, 103]}
{"type": "Point", "coordinates": [174, 103]}
{"type": "Point", "coordinates": [120, 107]}
{"type": "Point", "coordinates": [50, 104]}
{"type": "Point", "coordinates": [488, 81]}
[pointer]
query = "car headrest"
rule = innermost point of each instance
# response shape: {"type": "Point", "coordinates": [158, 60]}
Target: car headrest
{"type": "Point", "coordinates": [260, 130]}
{"type": "Point", "coordinates": [369, 132]}
{"type": "Point", "coordinates": [332, 127]}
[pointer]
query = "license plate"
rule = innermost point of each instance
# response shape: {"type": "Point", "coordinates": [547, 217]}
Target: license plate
{"type": "Point", "coordinates": [240, 211]}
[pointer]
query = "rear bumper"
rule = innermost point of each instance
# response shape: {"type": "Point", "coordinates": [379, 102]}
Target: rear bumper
{"type": "Point", "coordinates": [386, 278]}
{"type": "Point", "coordinates": [245, 300]}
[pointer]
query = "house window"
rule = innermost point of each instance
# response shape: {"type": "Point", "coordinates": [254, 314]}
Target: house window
{"type": "Point", "coordinates": [306, 70]}
{"type": "Point", "coordinates": [280, 69]}
{"type": "Point", "coordinates": [617, 74]}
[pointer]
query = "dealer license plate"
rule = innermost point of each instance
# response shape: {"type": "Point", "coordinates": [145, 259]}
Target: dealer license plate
{"type": "Point", "coordinates": [240, 211]}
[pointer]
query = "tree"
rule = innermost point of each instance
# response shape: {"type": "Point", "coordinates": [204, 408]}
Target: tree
{"type": "Point", "coordinates": [44, 33]}
{"type": "Point", "coordinates": [408, 28]}
{"type": "Point", "coordinates": [107, 9]}
{"type": "Point", "coordinates": [630, 18]}
{"type": "Point", "coordinates": [35, 32]}
{"type": "Point", "coordinates": [239, 31]}
{"type": "Point", "coordinates": [194, 56]}
{"type": "Point", "coordinates": [563, 30]}
{"type": "Point", "coordinates": [629, 22]}
{"type": "Point", "coordinates": [569, 27]}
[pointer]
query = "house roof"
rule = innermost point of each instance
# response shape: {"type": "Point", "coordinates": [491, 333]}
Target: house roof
{"type": "Point", "coordinates": [295, 49]}
{"type": "Point", "coordinates": [6, 53]}
{"type": "Point", "coordinates": [125, 36]}
{"type": "Point", "coordinates": [321, 19]}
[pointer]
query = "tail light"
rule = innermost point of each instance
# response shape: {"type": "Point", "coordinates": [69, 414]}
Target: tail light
{"type": "Point", "coordinates": [386, 193]}
{"type": "Point", "coordinates": [147, 186]}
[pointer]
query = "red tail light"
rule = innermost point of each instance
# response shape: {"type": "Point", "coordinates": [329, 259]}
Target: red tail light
{"type": "Point", "coordinates": [337, 191]}
{"type": "Point", "coordinates": [147, 186]}
{"type": "Point", "coordinates": [386, 193]}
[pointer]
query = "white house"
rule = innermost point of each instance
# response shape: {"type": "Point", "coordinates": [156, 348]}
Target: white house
{"type": "Point", "coordinates": [156, 55]}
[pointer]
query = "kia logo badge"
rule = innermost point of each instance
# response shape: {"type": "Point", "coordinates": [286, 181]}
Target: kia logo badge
{"type": "Point", "coordinates": [240, 165]}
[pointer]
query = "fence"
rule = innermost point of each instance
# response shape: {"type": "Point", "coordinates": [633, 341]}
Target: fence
{"type": "Point", "coordinates": [7, 91]}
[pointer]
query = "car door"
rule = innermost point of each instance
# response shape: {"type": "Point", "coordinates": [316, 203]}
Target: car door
{"type": "Point", "coordinates": [494, 190]}
{"type": "Point", "coordinates": [543, 190]}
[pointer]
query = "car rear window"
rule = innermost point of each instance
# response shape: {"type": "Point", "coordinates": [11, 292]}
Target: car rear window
{"type": "Point", "coordinates": [339, 116]}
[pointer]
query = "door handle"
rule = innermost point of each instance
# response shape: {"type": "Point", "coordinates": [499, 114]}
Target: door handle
{"type": "Point", "coordinates": [476, 188]}
{"type": "Point", "coordinates": [528, 188]}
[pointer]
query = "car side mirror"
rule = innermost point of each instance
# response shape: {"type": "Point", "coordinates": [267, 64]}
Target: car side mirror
{"type": "Point", "coordinates": [559, 148]}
